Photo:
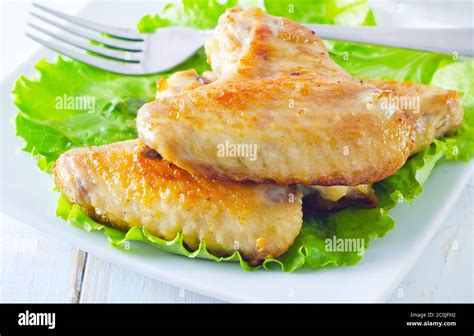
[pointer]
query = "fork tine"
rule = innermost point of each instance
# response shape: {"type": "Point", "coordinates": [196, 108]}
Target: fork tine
{"type": "Point", "coordinates": [120, 55]}
{"type": "Point", "coordinates": [113, 66]}
{"type": "Point", "coordinates": [122, 33]}
{"type": "Point", "coordinates": [119, 44]}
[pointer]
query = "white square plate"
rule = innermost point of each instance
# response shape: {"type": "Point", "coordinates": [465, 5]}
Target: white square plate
{"type": "Point", "coordinates": [26, 195]}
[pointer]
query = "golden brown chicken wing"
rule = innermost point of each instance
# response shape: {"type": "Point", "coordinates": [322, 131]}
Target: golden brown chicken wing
{"type": "Point", "coordinates": [281, 110]}
{"type": "Point", "coordinates": [127, 184]}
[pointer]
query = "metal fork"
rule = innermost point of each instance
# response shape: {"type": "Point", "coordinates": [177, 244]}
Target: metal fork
{"type": "Point", "coordinates": [121, 50]}
{"type": "Point", "coordinates": [128, 52]}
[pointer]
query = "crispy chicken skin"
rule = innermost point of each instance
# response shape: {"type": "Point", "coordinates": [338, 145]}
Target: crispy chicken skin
{"type": "Point", "coordinates": [127, 184]}
{"type": "Point", "coordinates": [278, 90]}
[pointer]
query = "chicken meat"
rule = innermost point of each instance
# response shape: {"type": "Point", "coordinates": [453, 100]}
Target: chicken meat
{"type": "Point", "coordinates": [280, 110]}
{"type": "Point", "coordinates": [127, 184]}
{"type": "Point", "coordinates": [437, 112]}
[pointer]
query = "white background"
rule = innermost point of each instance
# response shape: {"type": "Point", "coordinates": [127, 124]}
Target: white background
{"type": "Point", "coordinates": [50, 271]}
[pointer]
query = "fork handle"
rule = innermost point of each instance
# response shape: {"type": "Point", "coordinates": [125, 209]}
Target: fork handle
{"type": "Point", "coordinates": [445, 40]}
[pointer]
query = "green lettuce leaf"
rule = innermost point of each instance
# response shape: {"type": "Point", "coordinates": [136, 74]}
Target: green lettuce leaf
{"type": "Point", "coordinates": [201, 14]}
{"type": "Point", "coordinates": [347, 13]}
{"type": "Point", "coordinates": [50, 125]}
{"type": "Point", "coordinates": [376, 62]}
{"type": "Point", "coordinates": [49, 131]}
{"type": "Point", "coordinates": [407, 183]}
{"type": "Point", "coordinates": [460, 76]}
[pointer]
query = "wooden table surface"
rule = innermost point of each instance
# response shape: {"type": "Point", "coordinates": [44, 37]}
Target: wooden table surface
{"type": "Point", "coordinates": [35, 267]}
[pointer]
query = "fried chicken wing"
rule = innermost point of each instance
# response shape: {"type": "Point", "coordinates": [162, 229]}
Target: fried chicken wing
{"type": "Point", "coordinates": [127, 184]}
{"type": "Point", "coordinates": [279, 93]}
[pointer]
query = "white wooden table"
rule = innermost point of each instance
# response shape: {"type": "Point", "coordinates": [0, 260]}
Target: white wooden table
{"type": "Point", "coordinates": [35, 267]}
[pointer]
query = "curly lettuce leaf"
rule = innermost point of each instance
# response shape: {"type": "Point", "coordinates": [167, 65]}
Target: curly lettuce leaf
{"type": "Point", "coordinates": [50, 125]}
{"type": "Point", "coordinates": [48, 132]}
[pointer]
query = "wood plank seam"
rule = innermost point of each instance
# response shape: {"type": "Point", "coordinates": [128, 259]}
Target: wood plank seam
{"type": "Point", "coordinates": [81, 270]}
